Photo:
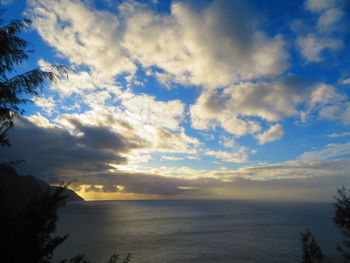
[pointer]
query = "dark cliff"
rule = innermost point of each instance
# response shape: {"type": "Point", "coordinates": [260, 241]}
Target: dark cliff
{"type": "Point", "coordinates": [18, 190]}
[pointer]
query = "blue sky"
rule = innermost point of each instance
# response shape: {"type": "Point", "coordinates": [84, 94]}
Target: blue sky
{"type": "Point", "coordinates": [189, 99]}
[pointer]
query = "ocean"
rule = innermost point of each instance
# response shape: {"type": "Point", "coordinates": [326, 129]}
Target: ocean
{"type": "Point", "coordinates": [203, 231]}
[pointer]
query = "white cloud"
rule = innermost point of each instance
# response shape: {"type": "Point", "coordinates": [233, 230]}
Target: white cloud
{"type": "Point", "coordinates": [140, 117]}
{"type": "Point", "coordinates": [171, 158]}
{"type": "Point", "coordinates": [145, 111]}
{"type": "Point", "coordinates": [240, 155]}
{"type": "Point", "coordinates": [215, 46]}
{"type": "Point", "coordinates": [212, 47]}
{"type": "Point", "coordinates": [212, 109]}
{"type": "Point", "coordinates": [40, 121]}
{"type": "Point", "coordinates": [345, 81]}
{"type": "Point", "coordinates": [330, 151]}
{"type": "Point", "coordinates": [337, 112]}
{"type": "Point", "coordinates": [320, 5]}
{"type": "Point", "coordinates": [177, 142]}
{"type": "Point", "coordinates": [227, 142]}
{"type": "Point", "coordinates": [312, 46]}
{"type": "Point", "coordinates": [242, 109]}
{"type": "Point", "coordinates": [77, 83]}
{"type": "Point", "coordinates": [321, 37]}
{"type": "Point", "coordinates": [274, 133]}
{"type": "Point", "coordinates": [84, 36]}
{"type": "Point", "coordinates": [329, 18]}
{"type": "Point", "coordinates": [326, 101]}
{"type": "Point", "coordinates": [46, 103]}
{"type": "Point", "coordinates": [334, 135]}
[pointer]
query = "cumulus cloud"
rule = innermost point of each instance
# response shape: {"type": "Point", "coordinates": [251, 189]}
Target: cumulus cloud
{"type": "Point", "coordinates": [171, 158]}
{"type": "Point", "coordinates": [312, 46]}
{"type": "Point", "coordinates": [274, 133]}
{"type": "Point", "coordinates": [338, 112]}
{"type": "Point", "coordinates": [55, 151]}
{"type": "Point", "coordinates": [215, 46]}
{"type": "Point", "coordinates": [320, 5]}
{"type": "Point", "coordinates": [82, 35]}
{"type": "Point", "coordinates": [144, 110]}
{"type": "Point", "coordinates": [46, 103]}
{"type": "Point", "coordinates": [84, 96]}
{"type": "Point", "coordinates": [238, 156]}
{"type": "Point", "coordinates": [346, 81]}
{"type": "Point", "coordinates": [241, 109]}
{"type": "Point", "coordinates": [322, 37]}
{"type": "Point", "coordinates": [166, 141]}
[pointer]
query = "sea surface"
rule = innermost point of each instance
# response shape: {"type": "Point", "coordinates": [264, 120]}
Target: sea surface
{"type": "Point", "coordinates": [202, 231]}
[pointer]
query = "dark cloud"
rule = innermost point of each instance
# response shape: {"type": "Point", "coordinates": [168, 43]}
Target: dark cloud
{"type": "Point", "coordinates": [56, 155]}
{"type": "Point", "coordinates": [141, 183]}
{"type": "Point", "coordinates": [102, 138]}
{"type": "Point", "coordinates": [316, 188]}
{"type": "Point", "coordinates": [54, 151]}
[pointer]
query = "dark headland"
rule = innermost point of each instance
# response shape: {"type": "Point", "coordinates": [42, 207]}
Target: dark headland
{"type": "Point", "coordinates": [18, 190]}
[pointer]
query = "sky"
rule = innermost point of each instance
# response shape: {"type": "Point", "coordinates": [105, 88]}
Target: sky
{"type": "Point", "coordinates": [188, 99]}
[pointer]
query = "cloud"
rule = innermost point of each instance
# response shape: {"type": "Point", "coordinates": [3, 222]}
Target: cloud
{"type": "Point", "coordinates": [103, 129]}
{"type": "Point", "coordinates": [345, 81]}
{"type": "Point", "coordinates": [193, 157]}
{"type": "Point", "coordinates": [239, 156]}
{"type": "Point", "coordinates": [312, 46]}
{"type": "Point", "coordinates": [323, 36]}
{"type": "Point", "coordinates": [320, 5]}
{"type": "Point", "coordinates": [165, 141]}
{"type": "Point", "coordinates": [334, 135]}
{"type": "Point", "coordinates": [92, 155]}
{"type": "Point", "coordinates": [82, 35]}
{"type": "Point", "coordinates": [171, 158]}
{"type": "Point", "coordinates": [6, 2]}
{"type": "Point", "coordinates": [52, 150]}
{"type": "Point", "coordinates": [214, 46]}
{"type": "Point", "coordinates": [144, 110]}
{"type": "Point", "coordinates": [338, 112]}
{"type": "Point", "coordinates": [292, 180]}
{"type": "Point", "coordinates": [47, 104]}
{"type": "Point", "coordinates": [241, 109]}
{"type": "Point", "coordinates": [330, 151]}
{"type": "Point", "coordinates": [95, 102]}
{"type": "Point", "coordinates": [274, 133]}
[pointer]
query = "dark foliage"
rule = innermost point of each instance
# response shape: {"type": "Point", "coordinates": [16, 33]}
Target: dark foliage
{"type": "Point", "coordinates": [312, 253]}
{"type": "Point", "coordinates": [13, 52]}
{"type": "Point", "coordinates": [342, 220]}
{"type": "Point", "coordinates": [28, 235]}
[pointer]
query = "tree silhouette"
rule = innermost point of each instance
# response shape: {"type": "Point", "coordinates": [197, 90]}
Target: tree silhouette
{"type": "Point", "coordinates": [27, 235]}
{"type": "Point", "coordinates": [312, 252]}
{"type": "Point", "coordinates": [13, 52]}
{"type": "Point", "coordinates": [342, 220]}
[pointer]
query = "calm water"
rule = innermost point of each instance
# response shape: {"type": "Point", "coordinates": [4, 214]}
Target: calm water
{"type": "Point", "coordinates": [194, 231]}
